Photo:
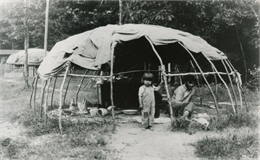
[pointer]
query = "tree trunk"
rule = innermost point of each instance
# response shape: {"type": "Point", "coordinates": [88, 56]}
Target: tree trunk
{"type": "Point", "coordinates": [243, 54]}
{"type": "Point", "coordinates": [26, 46]}
{"type": "Point", "coordinates": [120, 12]}
{"type": "Point", "coordinates": [46, 27]}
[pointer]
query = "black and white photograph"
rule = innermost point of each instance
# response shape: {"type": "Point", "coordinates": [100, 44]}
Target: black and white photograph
{"type": "Point", "coordinates": [129, 79]}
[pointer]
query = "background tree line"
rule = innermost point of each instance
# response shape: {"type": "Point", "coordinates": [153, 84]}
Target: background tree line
{"type": "Point", "coordinates": [231, 26]}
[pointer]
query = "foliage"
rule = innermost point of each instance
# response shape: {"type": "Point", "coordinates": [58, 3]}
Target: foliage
{"type": "Point", "coordinates": [254, 82]}
{"type": "Point", "coordinates": [219, 22]}
{"type": "Point", "coordinates": [12, 18]}
{"type": "Point", "coordinates": [66, 18]}
{"type": "Point", "coordinates": [235, 23]}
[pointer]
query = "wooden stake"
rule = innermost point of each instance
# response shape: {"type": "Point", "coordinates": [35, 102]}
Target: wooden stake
{"type": "Point", "coordinates": [232, 87]}
{"type": "Point", "coordinates": [164, 77]}
{"type": "Point", "coordinates": [192, 73]}
{"type": "Point", "coordinates": [42, 96]}
{"type": "Point", "coordinates": [32, 92]}
{"type": "Point", "coordinates": [46, 102]}
{"type": "Point", "coordinates": [66, 90]}
{"type": "Point", "coordinates": [81, 82]}
{"type": "Point", "coordinates": [216, 84]}
{"type": "Point", "coordinates": [61, 101]}
{"type": "Point", "coordinates": [214, 97]}
{"type": "Point", "coordinates": [229, 94]}
{"type": "Point", "coordinates": [197, 77]}
{"type": "Point", "coordinates": [179, 75]}
{"type": "Point", "coordinates": [237, 84]}
{"type": "Point", "coordinates": [111, 78]}
{"type": "Point", "coordinates": [35, 92]}
{"type": "Point", "coordinates": [53, 90]}
{"type": "Point", "coordinates": [87, 76]}
{"type": "Point", "coordinates": [46, 26]}
{"type": "Point", "coordinates": [169, 71]}
{"type": "Point", "coordinates": [99, 91]}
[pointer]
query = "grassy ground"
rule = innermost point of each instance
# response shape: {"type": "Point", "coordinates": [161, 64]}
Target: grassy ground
{"type": "Point", "coordinates": [80, 140]}
{"type": "Point", "coordinates": [236, 136]}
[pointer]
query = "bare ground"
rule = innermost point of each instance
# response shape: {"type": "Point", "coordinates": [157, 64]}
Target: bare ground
{"type": "Point", "coordinates": [129, 141]}
{"type": "Point", "coordinates": [161, 144]}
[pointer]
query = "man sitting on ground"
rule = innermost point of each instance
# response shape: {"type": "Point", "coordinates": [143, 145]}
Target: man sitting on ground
{"type": "Point", "coordinates": [181, 100]}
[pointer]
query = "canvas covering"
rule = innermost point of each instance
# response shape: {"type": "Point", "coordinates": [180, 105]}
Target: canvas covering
{"type": "Point", "coordinates": [92, 48]}
{"type": "Point", "coordinates": [35, 57]}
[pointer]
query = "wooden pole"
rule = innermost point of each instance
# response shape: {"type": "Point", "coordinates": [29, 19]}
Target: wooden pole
{"type": "Point", "coordinates": [232, 87]}
{"type": "Point", "coordinates": [120, 12]}
{"type": "Point", "coordinates": [46, 102]}
{"type": "Point", "coordinates": [87, 76]}
{"type": "Point", "coordinates": [35, 92]}
{"type": "Point", "coordinates": [111, 78]}
{"type": "Point", "coordinates": [46, 26]}
{"type": "Point", "coordinates": [214, 97]}
{"type": "Point", "coordinates": [243, 53]}
{"type": "Point", "coordinates": [237, 83]}
{"type": "Point", "coordinates": [216, 84]}
{"type": "Point", "coordinates": [229, 94]}
{"type": "Point", "coordinates": [240, 87]}
{"type": "Point", "coordinates": [179, 75]}
{"type": "Point", "coordinates": [169, 71]}
{"type": "Point", "coordinates": [61, 101]}
{"type": "Point", "coordinates": [26, 46]}
{"type": "Point", "coordinates": [99, 91]}
{"type": "Point", "coordinates": [32, 92]}
{"type": "Point", "coordinates": [164, 77]}
{"type": "Point", "coordinates": [66, 90]}
{"type": "Point", "coordinates": [81, 82]}
{"type": "Point", "coordinates": [134, 71]}
{"type": "Point", "coordinates": [53, 90]}
{"type": "Point", "coordinates": [42, 96]}
{"type": "Point", "coordinates": [197, 77]}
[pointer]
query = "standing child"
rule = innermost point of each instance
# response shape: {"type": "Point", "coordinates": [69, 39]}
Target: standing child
{"type": "Point", "coordinates": [147, 101]}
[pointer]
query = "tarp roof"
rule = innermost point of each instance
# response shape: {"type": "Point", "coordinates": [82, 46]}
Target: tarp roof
{"type": "Point", "coordinates": [35, 57]}
{"type": "Point", "coordinates": [91, 49]}
{"type": "Point", "coordinates": [8, 52]}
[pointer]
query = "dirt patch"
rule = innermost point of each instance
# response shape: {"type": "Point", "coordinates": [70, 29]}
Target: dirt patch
{"type": "Point", "coordinates": [129, 140]}
{"type": "Point", "coordinates": [161, 144]}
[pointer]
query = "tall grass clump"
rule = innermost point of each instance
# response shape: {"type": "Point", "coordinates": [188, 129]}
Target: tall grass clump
{"type": "Point", "coordinates": [35, 124]}
{"type": "Point", "coordinates": [85, 138]}
{"type": "Point", "coordinates": [10, 148]}
{"type": "Point", "coordinates": [241, 119]}
{"type": "Point", "coordinates": [237, 138]}
{"type": "Point", "coordinates": [238, 144]}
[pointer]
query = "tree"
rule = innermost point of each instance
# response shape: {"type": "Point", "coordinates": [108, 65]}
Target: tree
{"type": "Point", "coordinates": [219, 22]}
{"type": "Point", "coordinates": [235, 23]}
{"type": "Point", "coordinates": [26, 46]}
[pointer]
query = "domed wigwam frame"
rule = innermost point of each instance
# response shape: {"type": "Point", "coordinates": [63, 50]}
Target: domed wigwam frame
{"type": "Point", "coordinates": [108, 52]}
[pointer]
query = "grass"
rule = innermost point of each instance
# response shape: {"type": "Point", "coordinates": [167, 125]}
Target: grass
{"type": "Point", "coordinates": [232, 144]}
{"type": "Point", "coordinates": [82, 139]}
{"type": "Point", "coordinates": [228, 120]}
{"type": "Point", "coordinates": [234, 136]}
{"type": "Point", "coordinates": [12, 148]}
{"type": "Point", "coordinates": [237, 135]}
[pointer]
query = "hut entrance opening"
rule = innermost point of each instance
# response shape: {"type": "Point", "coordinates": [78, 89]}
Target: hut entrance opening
{"type": "Point", "coordinates": [132, 60]}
